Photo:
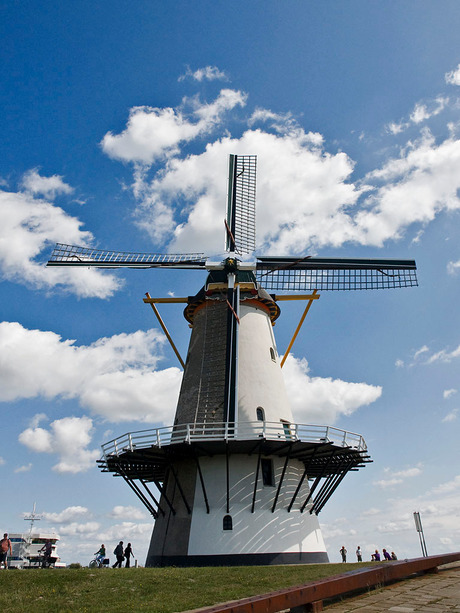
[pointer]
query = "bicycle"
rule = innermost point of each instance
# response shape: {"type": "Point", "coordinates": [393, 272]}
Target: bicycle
{"type": "Point", "coordinates": [98, 562]}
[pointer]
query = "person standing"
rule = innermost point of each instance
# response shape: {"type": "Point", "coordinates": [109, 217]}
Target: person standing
{"type": "Point", "coordinates": [5, 545]}
{"type": "Point", "coordinates": [118, 551]}
{"type": "Point", "coordinates": [343, 553]}
{"type": "Point", "coordinates": [128, 554]}
{"type": "Point", "coordinates": [359, 554]}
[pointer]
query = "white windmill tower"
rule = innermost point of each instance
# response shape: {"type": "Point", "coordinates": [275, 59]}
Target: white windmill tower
{"type": "Point", "coordinates": [240, 481]}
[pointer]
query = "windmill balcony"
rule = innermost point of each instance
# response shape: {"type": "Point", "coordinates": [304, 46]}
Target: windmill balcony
{"type": "Point", "coordinates": [232, 432]}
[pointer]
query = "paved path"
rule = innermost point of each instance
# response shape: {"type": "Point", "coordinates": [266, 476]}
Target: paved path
{"type": "Point", "coordinates": [436, 593]}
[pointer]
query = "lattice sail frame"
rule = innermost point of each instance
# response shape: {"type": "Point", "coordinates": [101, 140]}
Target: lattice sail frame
{"type": "Point", "coordinates": [72, 255]}
{"type": "Point", "coordinates": [325, 274]}
{"type": "Point", "coordinates": [241, 204]}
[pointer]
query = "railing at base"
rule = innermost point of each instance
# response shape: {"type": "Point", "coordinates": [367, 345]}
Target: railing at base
{"type": "Point", "coordinates": [309, 597]}
{"type": "Point", "coordinates": [227, 431]}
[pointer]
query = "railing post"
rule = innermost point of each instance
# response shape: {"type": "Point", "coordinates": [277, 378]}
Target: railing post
{"type": "Point", "coordinates": [130, 439]}
{"type": "Point", "coordinates": [187, 436]}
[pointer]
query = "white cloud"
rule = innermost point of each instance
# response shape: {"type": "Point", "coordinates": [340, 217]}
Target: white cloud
{"type": "Point", "coordinates": [453, 267]}
{"type": "Point", "coordinates": [421, 351]}
{"type": "Point", "coordinates": [153, 133]}
{"type": "Point", "coordinates": [208, 73]}
{"type": "Point", "coordinates": [309, 199]}
{"type": "Point", "coordinates": [303, 190]}
{"type": "Point", "coordinates": [448, 487]}
{"type": "Point", "coordinates": [75, 528]}
{"type": "Point", "coordinates": [66, 515]}
{"type": "Point", "coordinates": [444, 356]}
{"type": "Point", "coordinates": [452, 416]}
{"type": "Point", "coordinates": [126, 531]}
{"type": "Point", "coordinates": [23, 469]}
{"type": "Point", "coordinates": [129, 512]}
{"type": "Point", "coordinates": [448, 393]}
{"type": "Point", "coordinates": [398, 476]}
{"type": "Point", "coordinates": [69, 439]}
{"type": "Point", "coordinates": [114, 377]}
{"type": "Point", "coordinates": [323, 400]}
{"type": "Point", "coordinates": [49, 187]}
{"type": "Point", "coordinates": [453, 77]}
{"type": "Point", "coordinates": [2, 461]}
{"type": "Point", "coordinates": [399, 363]}
{"type": "Point", "coordinates": [28, 229]}
{"type": "Point", "coordinates": [422, 112]}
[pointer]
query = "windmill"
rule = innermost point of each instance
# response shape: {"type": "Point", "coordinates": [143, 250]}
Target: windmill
{"type": "Point", "coordinates": [239, 481]}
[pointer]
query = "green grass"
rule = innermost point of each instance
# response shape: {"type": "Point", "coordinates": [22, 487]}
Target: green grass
{"type": "Point", "coordinates": [156, 590]}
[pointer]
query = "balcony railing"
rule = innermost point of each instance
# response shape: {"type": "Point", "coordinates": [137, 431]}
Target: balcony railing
{"type": "Point", "coordinates": [242, 431]}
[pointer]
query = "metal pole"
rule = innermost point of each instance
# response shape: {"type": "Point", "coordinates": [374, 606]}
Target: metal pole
{"type": "Point", "coordinates": [419, 528]}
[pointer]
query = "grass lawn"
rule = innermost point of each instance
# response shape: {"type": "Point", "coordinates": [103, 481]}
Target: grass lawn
{"type": "Point", "coordinates": [157, 590]}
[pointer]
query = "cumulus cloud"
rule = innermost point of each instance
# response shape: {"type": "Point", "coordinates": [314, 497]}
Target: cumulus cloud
{"type": "Point", "coordinates": [451, 416]}
{"type": "Point", "coordinates": [69, 439]}
{"type": "Point", "coordinates": [208, 73]}
{"type": "Point", "coordinates": [422, 112]}
{"type": "Point", "coordinates": [448, 393]}
{"type": "Point", "coordinates": [444, 356]}
{"type": "Point", "coordinates": [80, 529]}
{"type": "Point", "coordinates": [49, 187]}
{"type": "Point", "coordinates": [453, 267]}
{"type": "Point", "coordinates": [398, 476]}
{"type": "Point", "coordinates": [309, 198]}
{"type": "Point", "coordinates": [323, 400]}
{"type": "Point", "coordinates": [66, 515]}
{"type": "Point", "coordinates": [453, 77]}
{"type": "Point", "coordinates": [153, 133]}
{"type": "Point", "coordinates": [28, 229]}
{"type": "Point", "coordinates": [23, 469]}
{"type": "Point", "coordinates": [115, 377]}
{"type": "Point", "coordinates": [129, 512]}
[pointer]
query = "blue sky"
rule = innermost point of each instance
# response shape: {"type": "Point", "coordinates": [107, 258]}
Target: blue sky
{"type": "Point", "coordinates": [117, 121]}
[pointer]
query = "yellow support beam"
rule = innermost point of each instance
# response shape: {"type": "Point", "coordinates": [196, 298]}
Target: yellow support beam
{"type": "Point", "coordinates": [297, 297]}
{"type": "Point", "coordinates": [311, 298]}
{"type": "Point", "coordinates": [151, 301]}
{"type": "Point", "coordinates": [171, 300]}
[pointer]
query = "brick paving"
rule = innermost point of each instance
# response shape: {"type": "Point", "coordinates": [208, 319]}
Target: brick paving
{"type": "Point", "coordinates": [430, 593]}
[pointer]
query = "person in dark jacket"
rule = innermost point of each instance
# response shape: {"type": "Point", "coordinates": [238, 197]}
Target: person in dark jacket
{"type": "Point", "coordinates": [128, 554]}
{"type": "Point", "coordinates": [118, 551]}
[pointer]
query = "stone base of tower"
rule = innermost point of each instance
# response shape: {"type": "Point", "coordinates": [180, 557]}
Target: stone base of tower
{"type": "Point", "coordinates": [207, 521]}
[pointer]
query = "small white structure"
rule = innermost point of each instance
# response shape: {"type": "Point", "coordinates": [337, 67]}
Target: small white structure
{"type": "Point", "coordinates": [26, 550]}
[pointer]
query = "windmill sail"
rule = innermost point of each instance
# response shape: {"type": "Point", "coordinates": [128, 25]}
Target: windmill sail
{"type": "Point", "coordinates": [291, 274]}
{"type": "Point", "coordinates": [73, 255]}
{"type": "Point", "coordinates": [241, 204]}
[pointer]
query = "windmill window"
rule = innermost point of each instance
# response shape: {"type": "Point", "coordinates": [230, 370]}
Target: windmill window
{"type": "Point", "coordinates": [260, 414]}
{"type": "Point", "coordinates": [227, 523]}
{"type": "Point", "coordinates": [272, 354]}
{"type": "Point", "coordinates": [268, 476]}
